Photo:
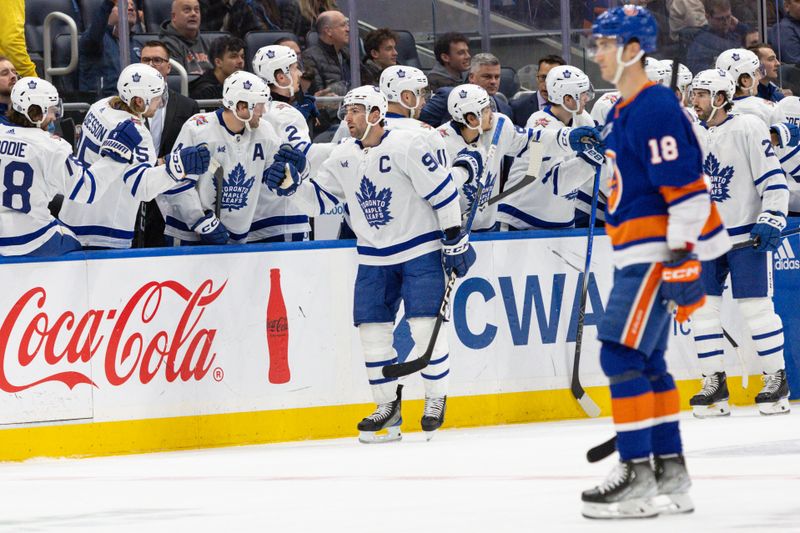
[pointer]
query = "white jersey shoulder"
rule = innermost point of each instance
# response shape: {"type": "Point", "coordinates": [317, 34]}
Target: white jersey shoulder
{"type": "Point", "coordinates": [753, 105]}
{"type": "Point", "coordinates": [788, 110]}
{"type": "Point", "coordinates": [603, 105]}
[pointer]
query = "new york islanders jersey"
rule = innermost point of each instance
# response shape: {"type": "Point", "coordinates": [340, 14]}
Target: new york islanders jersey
{"type": "Point", "coordinates": [549, 202]}
{"type": "Point", "coordinates": [36, 166]}
{"type": "Point", "coordinates": [399, 197]}
{"type": "Point", "coordinates": [109, 221]}
{"type": "Point", "coordinates": [243, 158]}
{"type": "Point", "coordinates": [603, 105]}
{"type": "Point", "coordinates": [788, 110]}
{"type": "Point", "coordinates": [745, 173]}
{"type": "Point", "coordinates": [657, 192]}
{"type": "Point", "coordinates": [753, 105]}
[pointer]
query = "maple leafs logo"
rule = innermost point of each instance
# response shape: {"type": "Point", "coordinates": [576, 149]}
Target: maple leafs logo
{"type": "Point", "coordinates": [572, 195]}
{"type": "Point", "coordinates": [720, 178]}
{"type": "Point", "coordinates": [374, 204]}
{"type": "Point", "coordinates": [236, 189]}
{"type": "Point", "coordinates": [471, 188]}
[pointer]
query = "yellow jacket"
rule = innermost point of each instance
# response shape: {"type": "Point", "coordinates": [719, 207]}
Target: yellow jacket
{"type": "Point", "coordinates": [12, 37]}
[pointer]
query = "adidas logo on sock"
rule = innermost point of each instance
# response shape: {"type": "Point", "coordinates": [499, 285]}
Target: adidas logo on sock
{"type": "Point", "coordinates": [784, 258]}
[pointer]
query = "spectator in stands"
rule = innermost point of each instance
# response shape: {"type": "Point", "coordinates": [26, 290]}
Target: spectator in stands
{"type": "Point", "coordinates": [484, 71]}
{"type": "Point", "coordinates": [182, 35]}
{"type": "Point", "coordinates": [330, 57]}
{"type": "Point", "coordinates": [723, 32]}
{"type": "Point", "coordinates": [452, 61]}
{"type": "Point", "coordinates": [686, 18]}
{"type": "Point", "coordinates": [767, 88]}
{"type": "Point", "coordinates": [380, 46]}
{"type": "Point", "coordinates": [227, 55]}
{"type": "Point", "coordinates": [300, 16]}
{"type": "Point", "coordinates": [12, 37]}
{"type": "Point", "coordinates": [789, 29]}
{"type": "Point", "coordinates": [527, 104]}
{"type": "Point", "coordinates": [212, 14]}
{"type": "Point", "coordinates": [255, 15]}
{"type": "Point", "coordinates": [164, 126]}
{"type": "Point", "coordinates": [294, 45]}
{"type": "Point", "coordinates": [98, 49]}
{"type": "Point", "coordinates": [8, 77]}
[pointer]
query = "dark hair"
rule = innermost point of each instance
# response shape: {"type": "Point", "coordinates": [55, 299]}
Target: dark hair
{"type": "Point", "coordinates": [374, 39]}
{"type": "Point", "coordinates": [551, 59]}
{"type": "Point", "coordinates": [18, 119]}
{"type": "Point", "coordinates": [712, 5]}
{"type": "Point", "coordinates": [155, 43]}
{"type": "Point", "coordinates": [222, 45]}
{"type": "Point", "coordinates": [286, 40]}
{"type": "Point", "coordinates": [442, 45]}
{"type": "Point", "coordinates": [758, 46]}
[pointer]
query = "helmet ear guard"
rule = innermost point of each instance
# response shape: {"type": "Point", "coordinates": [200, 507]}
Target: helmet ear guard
{"type": "Point", "coordinates": [466, 99]}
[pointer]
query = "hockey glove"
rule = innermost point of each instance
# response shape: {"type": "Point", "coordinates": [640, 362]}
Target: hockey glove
{"type": "Point", "coordinates": [592, 156]}
{"type": "Point", "coordinates": [275, 176]}
{"type": "Point", "coordinates": [288, 154]}
{"type": "Point", "coordinates": [788, 134]}
{"type": "Point", "coordinates": [121, 142]}
{"type": "Point", "coordinates": [767, 231]}
{"type": "Point", "coordinates": [472, 161]}
{"type": "Point", "coordinates": [583, 137]}
{"type": "Point", "coordinates": [457, 253]}
{"type": "Point", "coordinates": [211, 230]}
{"type": "Point", "coordinates": [192, 160]}
{"type": "Point", "coordinates": [681, 283]}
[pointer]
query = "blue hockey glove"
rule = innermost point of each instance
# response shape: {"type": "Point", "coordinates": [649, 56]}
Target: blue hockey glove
{"type": "Point", "coordinates": [211, 230]}
{"type": "Point", "coordinates": [681, 283]}
{"type": "Point", "coordinates": [288, 154]}
{"type": "Point", "coordinates": [767, 231]}
{"type": "Point", "coordinates": [307, 105]}
{"type": "Point", "coordinates": [121, 142]}
{"type": "Point", "coordinates": [788, 134]}
{"type": "Point", "coordinates": [592, 156]}
{"type": "Point", "coordinates": [192, 160]}
{"type": "Point", "coordinates": [583, 137]}
{"type": "Point", "coordinates": [457, 253]}
{"type": "Point", "coordinates": [472, 160]}
{"type": "Point", "coordinates": [279, 172]}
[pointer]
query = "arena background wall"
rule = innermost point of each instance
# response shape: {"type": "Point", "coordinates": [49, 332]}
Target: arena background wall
{"type": "Point", "coordinates": [147, 350]}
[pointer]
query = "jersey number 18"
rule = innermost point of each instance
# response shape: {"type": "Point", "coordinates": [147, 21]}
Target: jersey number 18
{"type": "Point", "coordinates": [663, 149]}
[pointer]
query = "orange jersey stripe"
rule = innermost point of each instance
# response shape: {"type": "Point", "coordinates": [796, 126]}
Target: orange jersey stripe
{"type": "Point", "coordinates": [641, 308]}
{"type": "Point", "coordinates": [667, 403]}
{"type": "Point", "coordinates": [632, 98]}
{"type": "Point", "coordinates": [633, 409]}
{"type": "Point", "coordinates": [672, 194]}
{"type": "Point", "coordinates": [638, 229]}
{"type": "Point", "coordinates": [713, 221]}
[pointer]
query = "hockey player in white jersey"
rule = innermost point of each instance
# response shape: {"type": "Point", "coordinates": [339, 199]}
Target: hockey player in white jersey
{"type": "Point", "coordinates": [109, 222]}
{"type": "Point", "coordinates": [36, 166]}
{"type": "Point", "coordinates": [405, 213]}
{"type": "Point", "coordinates": [746, 70]}
{"type": "Point", "coordinates": [750, 190]}
{"type": "Point", "coordinates": [220, 208]}
{"type": "Point", "coordinates": [683, 83]}
{"type": "Point", "coordinates": [277, 219]}
{"type": "Point", "coordinates": [549, 203]}
{"type": "Point", "coordinates": [785, 131]}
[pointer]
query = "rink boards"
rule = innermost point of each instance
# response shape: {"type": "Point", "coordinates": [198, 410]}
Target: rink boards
{"type": "Point", "coordinates": [167, 349]}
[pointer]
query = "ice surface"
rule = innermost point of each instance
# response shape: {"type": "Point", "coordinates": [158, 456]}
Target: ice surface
{"type": "Point", "coordinates": [746, 472]}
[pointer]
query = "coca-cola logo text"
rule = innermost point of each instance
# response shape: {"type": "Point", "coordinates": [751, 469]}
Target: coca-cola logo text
{"type": "Point", "coordinates": [278, 325]}
{"type": "Point", "coordinates": [181, 354]}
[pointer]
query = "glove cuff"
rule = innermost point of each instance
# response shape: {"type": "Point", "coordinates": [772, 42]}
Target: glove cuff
{"type": "Point", "coordinates": [175, 166]}
{"type": "Point", "coordinates": [206, 225]}
{"type": "Point", "coordinates": [116, 150]}
{"type": "Point", "coordinates": [783, 133]}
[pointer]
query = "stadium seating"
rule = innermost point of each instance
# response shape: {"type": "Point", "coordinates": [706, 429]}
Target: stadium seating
{"type": "Point", "coordinates": [88, 9]}
{"type": "Point", "coordinates": [61, 50]}
{"type": "Point", "coordinates": [407, 49]}
{"type": "Point", "coordinates": [509, 82]}
{"type": "Point", "coordinates": [257, 39]}
{"type": "Point", "coordinates": [156, 12]}
{"type": "Point", "coordinates": [35, 13]}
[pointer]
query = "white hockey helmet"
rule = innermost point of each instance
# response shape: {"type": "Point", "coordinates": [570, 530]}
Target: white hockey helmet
{"type": "Point", "coordinates": [399, 78]}
{"type": "Point", "coordinates": [242, 86]}
{"type": "Point", "coordinates": [468, 98]}
{"type": "Point", "coordinates": [715, 80]}
{"type": "Point", "coordinates": [269, 59]}
{"type": "Point", "coordinates": [654, 69]}
{"type": "Point", "coordinates": [30, 91]}
{"type": "Point", "coordinates": [140, 80]}
{"type": "Point", "coordinates": [370, 97]}
{"type": "Point", "coordinates": [684, 75]}
{"type": "Point", "coordinates": [739, 61]}
{"type": "Point", "coordinates": [566, 80]}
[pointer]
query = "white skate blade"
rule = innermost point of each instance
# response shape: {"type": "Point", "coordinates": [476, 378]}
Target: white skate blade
{"type": "Point", "coordinates": [677, 503]}
{"type": "Point", "coordinates": [373, 437]}
{"type": "Point", "coordinates": [781, 407]}
{"type": "Point", "coordinates": [429, 435]}
{"type": "Point", "coordinates": [641, 508]}
{"type": "Point", "coordinates": [710, 411]}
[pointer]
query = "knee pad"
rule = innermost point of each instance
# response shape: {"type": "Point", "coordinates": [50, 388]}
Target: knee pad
{"type": "Point", "coordinates": [758, 312]}
{"type": "Point", "coordinates": [708, 316]}
{"type": "Point", "coordinates": [376, 340]}
{"type": "Point", "coordinates": [616, 359]}
{"type": "Point", "coordinates": [421, 331]}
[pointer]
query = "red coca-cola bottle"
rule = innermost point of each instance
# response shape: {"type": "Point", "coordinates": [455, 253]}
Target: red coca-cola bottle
{"type": "Point", "coordinates": [277, 331]}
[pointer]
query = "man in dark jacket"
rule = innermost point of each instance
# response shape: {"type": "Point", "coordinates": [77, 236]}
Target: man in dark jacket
{"type": "Point", "coordinates": [380, 46]}
{"type": "Point", "coordinates": [329, 58]}
{"type": "Point", "coordinates": [722, 32]}
{"type": "Point", "coordinates": [767, 88]}
{"type": "Point", "coordinates": [527, 104]}
{"type": "Point", "coordinates": [787, 32]}
{"type": "Point", "coordinates": [182, 37]}
{"type": "Point", "coordinates": [227, 54]}
{"type": "Point", "coordinates": [452, 61]}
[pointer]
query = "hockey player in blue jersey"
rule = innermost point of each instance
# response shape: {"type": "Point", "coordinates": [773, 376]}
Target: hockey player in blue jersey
{"type": "Point", "coordinates": [404, 211]}
{"type": "Point", "coordinates": [661, 222]}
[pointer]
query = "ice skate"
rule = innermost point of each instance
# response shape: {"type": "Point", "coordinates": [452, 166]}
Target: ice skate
{"type": "Point", "coordinates": [712, 400]}
{"type": "Point", "coordinates": [774, 396]}
{"type": "Point", "coordinates": [626, 493]}
{"type": "Point", "coordinates": [673, 484]}
{"type": "Point", "coordinates": [386, 417]}
{"type": "Point", "coordinates": [433, 416]}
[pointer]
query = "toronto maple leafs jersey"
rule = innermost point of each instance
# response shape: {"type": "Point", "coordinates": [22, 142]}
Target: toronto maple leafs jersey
{"type": "Point", "coordinates": [399, 197]}
{"type": "Point", "coordinates": [243, 157]}
{"type": "Point", "coordinates": [658, 198]}
{"type": "Point", "coordinates": [549, 202]}
{"type": "Point", "coordinates": [788, 110]}
{"type": "Point", "coordinates": [109, 221]}
{"type": "Point", "coordinates": [754, 105]}
{"type": "Point", "coordinates": [603, 105]}
{"type": "Point", "coordinates": [36, 166]}
{"type": "Point", "coordinates": [745, 173]}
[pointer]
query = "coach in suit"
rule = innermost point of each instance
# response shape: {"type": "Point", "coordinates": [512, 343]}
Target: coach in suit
{"type": "Point", "coordinates": [164, 126]}
{"type": "Point", "coordinates": [529, 103]}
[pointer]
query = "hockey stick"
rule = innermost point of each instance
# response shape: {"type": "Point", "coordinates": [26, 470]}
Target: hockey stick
{"type": "Point", "coordinates": [585, 401]}
{"type": "Point", "coordinates": [536, 151]}
{"type": "Point", "coordinates": [215, 167]}
{"type": "Point", "coordinates": [409, 367]}
{"type": "Point", "coordinates": [601, 451]}
{"type": "Point", "coordinates": [745, 374]}
{"type": "Point", "coordinates": [751, 243]}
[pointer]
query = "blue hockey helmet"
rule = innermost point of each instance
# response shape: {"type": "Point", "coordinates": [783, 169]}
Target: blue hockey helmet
{"type": "Point", "coordinates": [626, 23]}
